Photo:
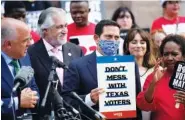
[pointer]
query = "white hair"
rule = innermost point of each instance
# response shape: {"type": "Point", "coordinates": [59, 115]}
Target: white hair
{"type": "Point", "coordinates": [7, 33]}
{"type": "Point", "coordinates": [46, 18]}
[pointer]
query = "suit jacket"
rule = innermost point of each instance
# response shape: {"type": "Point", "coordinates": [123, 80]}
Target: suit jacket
{"type": "Point", "coordinates": [7, 82]}
{"type": "Point", "coordinates": [41, 64]}
{"type": "Point", "coordinates": [82, 78]}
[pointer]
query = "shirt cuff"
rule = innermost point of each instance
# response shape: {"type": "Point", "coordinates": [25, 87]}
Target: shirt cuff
{"type": "Point", "coordinates": [16, 101]}
{"type": "Point", "coordinates": [88, 100]}
{"type": "Point", "coordinates": [2, 102]}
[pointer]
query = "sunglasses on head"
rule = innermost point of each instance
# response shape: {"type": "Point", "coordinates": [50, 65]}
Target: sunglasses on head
{"type": "Point", "coordinates": [173, 2]}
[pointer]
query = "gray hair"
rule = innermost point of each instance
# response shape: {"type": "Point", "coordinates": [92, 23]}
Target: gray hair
{"type": "Point", "coordinates": [46, 18]}
{"type": "Point", "coordinates": [7, 33]}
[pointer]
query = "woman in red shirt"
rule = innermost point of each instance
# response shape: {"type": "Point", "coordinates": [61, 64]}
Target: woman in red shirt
{"type": "Point", "coordinates": [157, 96]}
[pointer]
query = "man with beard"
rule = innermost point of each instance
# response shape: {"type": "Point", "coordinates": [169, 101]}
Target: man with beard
{"type": "Point", "coordinates": [53, 30]}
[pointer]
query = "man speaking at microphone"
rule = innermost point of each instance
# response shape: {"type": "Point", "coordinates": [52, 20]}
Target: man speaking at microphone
{"type": "Point", "coordinates": [15, 40]}
{"type": "Point", "coordinates": [52, 26]}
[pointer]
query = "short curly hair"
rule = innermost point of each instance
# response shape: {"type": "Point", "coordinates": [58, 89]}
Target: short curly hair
{"type": "Point", "coordinates": [179, 40]}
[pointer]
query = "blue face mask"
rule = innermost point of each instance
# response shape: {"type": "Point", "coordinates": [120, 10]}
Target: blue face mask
{"type": "Point", "coordinates": [109, 47]}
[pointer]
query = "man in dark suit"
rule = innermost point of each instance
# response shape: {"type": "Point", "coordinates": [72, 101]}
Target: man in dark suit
{"type": "Point", "coordinates": [82, 74]}
{"type": "Point", "coordinates": [15, 40]}
{"type": "Point", "coordinates": [53, 29]}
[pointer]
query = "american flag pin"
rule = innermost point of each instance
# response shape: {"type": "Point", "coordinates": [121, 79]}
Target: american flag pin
{"type": "Point", "coordinates": [69, 54]}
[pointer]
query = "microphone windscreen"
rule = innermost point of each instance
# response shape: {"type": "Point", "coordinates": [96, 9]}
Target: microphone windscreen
{"type": "Point", "coordinates": [24, 75]}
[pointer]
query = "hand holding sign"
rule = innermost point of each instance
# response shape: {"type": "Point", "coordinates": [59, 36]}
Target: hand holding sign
{"type": "Point", "coordinates": [95, 94]}
{"type": "Point", "coordinates": [180, 97]}
{"type": "Point", "coordinates": [178, 82]}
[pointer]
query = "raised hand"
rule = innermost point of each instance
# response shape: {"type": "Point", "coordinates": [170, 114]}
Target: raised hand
{"type": "Point", "coordinates": [158, 71]}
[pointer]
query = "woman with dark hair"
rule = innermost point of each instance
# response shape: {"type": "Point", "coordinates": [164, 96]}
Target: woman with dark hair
{"type": "Point", "coordinates": [139, 44]}
{"type": "Point", "coordinates": [124, 17]}
{"type": "Point", "coordinates": [157, 96]}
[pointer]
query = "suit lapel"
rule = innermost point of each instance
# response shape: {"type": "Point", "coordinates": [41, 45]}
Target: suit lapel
{"type": "Point", "coordinates": [42, 54]}
{"type": "Point", "coordinates": [67, 55]}
{"type": "Point", "coordinates": [92, 65]}
{"type": "Point", "coordinates": [6, 73]}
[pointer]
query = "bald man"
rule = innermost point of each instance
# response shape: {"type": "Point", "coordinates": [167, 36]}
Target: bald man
{"type": "Point", "coordinates": [15, 40]}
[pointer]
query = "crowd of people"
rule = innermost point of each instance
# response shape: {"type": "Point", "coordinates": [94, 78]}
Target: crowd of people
{"type": "Point", "coordinates": [155, 51]}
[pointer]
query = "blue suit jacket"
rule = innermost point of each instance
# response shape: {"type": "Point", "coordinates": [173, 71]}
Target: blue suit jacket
{"type": "Point", "coordinates": [82, 78]}
{"type": "Point", "coordinates": [7, 82]}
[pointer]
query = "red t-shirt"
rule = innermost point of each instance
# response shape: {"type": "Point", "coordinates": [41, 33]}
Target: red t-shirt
{"type": "Point", "coordinates": [35, 36]}
{"type": "Point", "coordinates": [84, 36]}
{"type": "Point", "coordinates": [157, 24]}
{"type": "Point", "coordinates": [74, 30]}
{"type": "Point", "coordinates": [163, 104]}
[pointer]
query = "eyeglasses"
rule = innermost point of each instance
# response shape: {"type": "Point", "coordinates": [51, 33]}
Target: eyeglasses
{"type": "Point", "coordinates": [124, 16]}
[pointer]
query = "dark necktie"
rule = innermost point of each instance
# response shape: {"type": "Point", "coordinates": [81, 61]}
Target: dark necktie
{"type": "Point", "coordinates": [16, 66]}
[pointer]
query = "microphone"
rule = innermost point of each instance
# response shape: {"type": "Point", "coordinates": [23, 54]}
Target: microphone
{"type": "Point", "coordinates": [58, 63]}
{"type": "Point", "coordinates": [60, 105]}
{"type": "Point", "coordinates": [56, 99]}
{"type": "Point", "coordinates": [72, 108]}
{"type": "Point", "coordinates": [96, 114]}
{"type": "Point", "coordinates": [23, 77]}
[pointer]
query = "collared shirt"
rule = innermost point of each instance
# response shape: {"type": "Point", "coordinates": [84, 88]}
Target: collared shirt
{"type": "Point", "coordinates": [50, 47]}
{"type": "Point", "coordinates": [8, 61]}
{"type": "Point", "coordinates": [98, 53]}
{"type": "Point", "coordinates": [58, 55]}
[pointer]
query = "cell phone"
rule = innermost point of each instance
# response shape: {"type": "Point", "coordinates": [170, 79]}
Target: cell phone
{"type": "Point", "coordinates": [74, 40]}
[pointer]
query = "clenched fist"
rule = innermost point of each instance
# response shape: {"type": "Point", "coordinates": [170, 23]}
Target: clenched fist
{"type": "Point", "coordinates": [28, 98]}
